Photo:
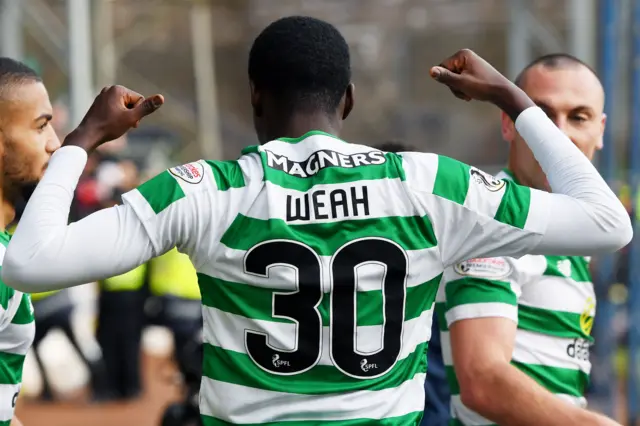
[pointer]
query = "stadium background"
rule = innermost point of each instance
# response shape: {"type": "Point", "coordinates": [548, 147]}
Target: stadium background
{"type": "Point", "coordinates": [195, 53]}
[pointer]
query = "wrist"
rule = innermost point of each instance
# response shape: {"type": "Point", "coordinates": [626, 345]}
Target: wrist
{"type": "Point", "coordinates": [83, 138]}
{"type": "Point", "coordinates": [512, 100]}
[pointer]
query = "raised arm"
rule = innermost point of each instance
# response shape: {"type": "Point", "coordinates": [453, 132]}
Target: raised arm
{"type": "Point", "coordinates": [478, 216]}
{"type": "Point", "coordinates": [45, 253]}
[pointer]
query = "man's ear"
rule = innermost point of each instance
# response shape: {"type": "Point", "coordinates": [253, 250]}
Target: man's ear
{"type": "Point", "coordinates": [507, 127]}
{"type": "Point", "coordinates": [603, 125]}
{"type": "Point", "coordinates": [349, 100]}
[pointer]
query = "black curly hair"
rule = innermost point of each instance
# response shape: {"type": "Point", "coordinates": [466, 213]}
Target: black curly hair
{"type": "Point", "coordinates": [304, 62]}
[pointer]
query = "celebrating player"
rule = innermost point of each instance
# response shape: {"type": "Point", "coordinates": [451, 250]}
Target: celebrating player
{"type": "Point", "coordinates": [537, 311]}
{"type": "Point", "coordinates": [27, 141]}
{"type": "Point", "coordinates": [318, 260]}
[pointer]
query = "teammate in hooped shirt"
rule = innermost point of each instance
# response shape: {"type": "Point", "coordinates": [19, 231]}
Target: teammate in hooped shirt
{"type": "Point", "coordinates": [537, 311]}
{"type": "Point", "coordinates": [27, 141]}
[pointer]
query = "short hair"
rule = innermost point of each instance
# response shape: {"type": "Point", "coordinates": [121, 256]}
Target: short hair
{"type": "Point", "coordinates": [552, 61]}
{"type": "Point", "coordinates": [14, 72]}
{"type": "Point", "coordinates": [302, 61]}
{"type": "Point", "coordinates": [395, 146]}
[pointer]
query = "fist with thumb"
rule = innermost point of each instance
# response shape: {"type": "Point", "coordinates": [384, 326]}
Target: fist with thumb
{"type": "Point", "coordinates": [468, 76]}
{"type": "Point", "coordinates": [114, 111]}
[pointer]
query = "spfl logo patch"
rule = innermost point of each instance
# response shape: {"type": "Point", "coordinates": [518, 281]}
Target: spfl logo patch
{"type": "Point", "coordinates": [493, 267]}
{"type": "Point", "coordinates": [190, 173]}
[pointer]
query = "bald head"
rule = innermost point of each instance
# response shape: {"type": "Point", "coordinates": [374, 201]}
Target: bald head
{"type": "Point", "coordinates": [554, 61]}
{"type": "Point", "coordinates": [560, 77]}
{"type": "Point", "coordinates": [571, 95]}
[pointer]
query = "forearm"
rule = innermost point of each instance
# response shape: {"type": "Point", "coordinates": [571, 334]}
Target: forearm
{"type": "Point", "coordinates": [511, 398]}
{"type": "Point", "coordinates": [45, 253]}
{"type": "Point", "coordinates": [587, 216]}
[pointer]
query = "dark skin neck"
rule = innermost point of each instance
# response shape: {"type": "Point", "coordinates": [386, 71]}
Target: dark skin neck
{"type": "Point", "coordinates": [298, 124]}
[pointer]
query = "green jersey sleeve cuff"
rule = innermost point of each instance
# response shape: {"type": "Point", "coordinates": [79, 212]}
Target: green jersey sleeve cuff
{"type": "Point", "coordinates": [477, 290]}
{"type": "Point", "coordinates": [472, 297]}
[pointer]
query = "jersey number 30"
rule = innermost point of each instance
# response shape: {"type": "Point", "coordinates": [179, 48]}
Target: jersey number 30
{"type": "Point", "coordinates": [301, 306]}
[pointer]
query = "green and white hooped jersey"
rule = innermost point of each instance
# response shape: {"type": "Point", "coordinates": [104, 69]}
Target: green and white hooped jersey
{"type": "Point", "coordinates": [17, 330]}
{"type": "Point", "coordinates": [550, 297]}
{"type": "Point", "coordinates": [318, 264]}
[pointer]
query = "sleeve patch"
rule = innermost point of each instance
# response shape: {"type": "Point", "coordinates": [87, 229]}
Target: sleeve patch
{"type": "Point", "coordinates": [494, 267]}
{"type": "Point", "coordinates": [190, 172]}
{"type": "Point", "coordinates": [481, 178]}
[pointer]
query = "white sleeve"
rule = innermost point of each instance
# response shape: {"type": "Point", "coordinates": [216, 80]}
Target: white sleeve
{"type": "Point", "coordinates": [47, 254]}
{"type": "Point", "coordinates": [476, 215]}
{"type": "Point", "coordinates": [182, 207]}
{"type": "Point", "coordinates": [587, 216]}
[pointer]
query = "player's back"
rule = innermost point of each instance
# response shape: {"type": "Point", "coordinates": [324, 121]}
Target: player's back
{"type": "Point", "coordinates": [318, 299]}
{"type": "Point", "coordinates": [318, 264]}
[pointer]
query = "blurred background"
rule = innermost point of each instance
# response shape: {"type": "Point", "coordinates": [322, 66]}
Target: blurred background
{"type": "Point", "coordinates": [195, 53]}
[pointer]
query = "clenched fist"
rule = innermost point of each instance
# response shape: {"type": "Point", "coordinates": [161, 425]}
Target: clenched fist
{"type": "Point", "coordinates": [113, 112]}
{"type": "Point", "coordinates": [468, 76]}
